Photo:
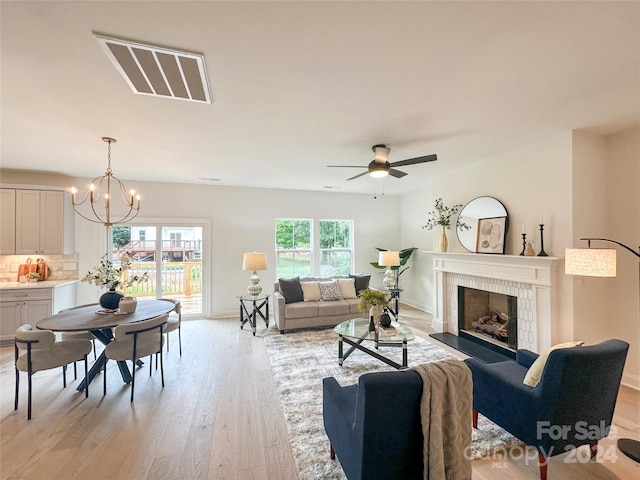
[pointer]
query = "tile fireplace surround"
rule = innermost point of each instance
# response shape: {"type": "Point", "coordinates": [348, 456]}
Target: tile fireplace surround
{"type": "Point", "coordinates": [530, 279]}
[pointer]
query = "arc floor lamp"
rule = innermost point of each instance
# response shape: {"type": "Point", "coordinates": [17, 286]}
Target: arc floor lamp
{"type": "Point", "coordinates": [601, 262]}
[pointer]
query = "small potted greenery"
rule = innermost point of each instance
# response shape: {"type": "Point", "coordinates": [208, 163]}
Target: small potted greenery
{"type": "Point", "coordinates": [441, 216]}
{"type": "Point", "coordinates": [33, 277]}
{"type": "Point", "coordinates": [371, 297]}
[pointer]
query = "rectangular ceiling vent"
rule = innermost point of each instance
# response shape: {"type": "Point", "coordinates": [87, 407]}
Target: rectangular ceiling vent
{"type": "Point", "coordinates": [157, 71]}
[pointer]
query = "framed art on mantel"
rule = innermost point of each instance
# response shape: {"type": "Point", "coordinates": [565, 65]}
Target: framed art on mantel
{"type": "Point", "coordinates": [491, 233]}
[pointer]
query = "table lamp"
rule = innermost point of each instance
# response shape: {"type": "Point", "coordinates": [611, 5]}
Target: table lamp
{"type": "Point", "coordinates": [254, 261]}
{"type": "Point", "coordinates": [601, 262]}
{"type": "Point", "coordinates": [389, 259]}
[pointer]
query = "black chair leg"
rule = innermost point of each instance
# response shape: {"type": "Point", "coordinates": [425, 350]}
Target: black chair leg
{"type": "Point", "coordinates": [161, 368]}
{"type": "Point", "coordinates": [180, 338]}
{"type": "Point", "coordinates": [15, 402]}
{"type": "Point", "coordinates": [104, 377]}
{"type": "Point", "coordinates": [86, 374]}
{"type": "Point", "coordinates": [64, 375]}
{"type": "Point", "coordinates": [29, 397]}
{"type": "Point", "coordinates": [133, 379]}
{"type": "Point", "coordinates": [75, 371]}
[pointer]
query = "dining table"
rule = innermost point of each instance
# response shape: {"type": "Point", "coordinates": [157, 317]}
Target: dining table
{"type": "Point", "coordinates": [101, 322]}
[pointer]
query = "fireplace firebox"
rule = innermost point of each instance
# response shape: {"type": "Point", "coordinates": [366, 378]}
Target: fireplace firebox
{"type": "Point", "coordinates": [488, 317]}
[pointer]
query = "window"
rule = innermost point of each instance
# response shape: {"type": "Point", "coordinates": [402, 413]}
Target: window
{"type": "Point", "coordinates": [294, 256]}
{"type": "Point", "coordinates": [297, 251]}
{"type": "Point", "coordinates": [336, 247]}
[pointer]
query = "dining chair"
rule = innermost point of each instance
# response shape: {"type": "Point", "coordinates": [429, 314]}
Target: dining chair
{"type": "Point", "coordinates": [83, 335]}
{"type": "Point", "coordinates": [133, 341]}
{"type": "Point", "coordinates": [174, 323]}
{"type": "Point", "coordinates": [37, 350]}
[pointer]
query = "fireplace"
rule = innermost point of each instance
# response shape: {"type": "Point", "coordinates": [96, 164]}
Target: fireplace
{"type": "Point", "coordinates": [529, 279]}
{"type": "Point", "coordinates": [488, 317]}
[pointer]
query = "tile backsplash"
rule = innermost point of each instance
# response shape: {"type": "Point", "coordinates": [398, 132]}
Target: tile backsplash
{"type": "Point", "coordinates": [61, 267]}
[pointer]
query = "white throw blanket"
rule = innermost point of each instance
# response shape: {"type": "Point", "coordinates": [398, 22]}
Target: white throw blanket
{"type": "Point", "coordinates": [446, 419]}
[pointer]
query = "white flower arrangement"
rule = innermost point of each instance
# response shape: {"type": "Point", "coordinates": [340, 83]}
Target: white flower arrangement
{"type": "Point", "coordinates": [108, 274]}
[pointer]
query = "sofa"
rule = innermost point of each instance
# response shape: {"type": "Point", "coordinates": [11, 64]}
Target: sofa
{"type": "Point", "coordinates": [317, 301]}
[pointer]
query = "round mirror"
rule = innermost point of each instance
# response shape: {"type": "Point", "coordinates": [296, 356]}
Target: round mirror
{"type": "Point", "coordinates": [488, 222]}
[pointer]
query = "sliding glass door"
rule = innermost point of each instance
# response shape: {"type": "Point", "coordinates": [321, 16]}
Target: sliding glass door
{"type": "Point", "coordinates": [170, 255]}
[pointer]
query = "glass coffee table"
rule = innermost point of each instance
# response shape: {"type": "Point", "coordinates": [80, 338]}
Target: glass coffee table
{"type": "Point", "coordinates": [355, 332]}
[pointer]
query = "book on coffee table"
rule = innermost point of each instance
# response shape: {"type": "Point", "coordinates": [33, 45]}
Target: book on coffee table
{"type": "Point", "coordinates": [390, 330]}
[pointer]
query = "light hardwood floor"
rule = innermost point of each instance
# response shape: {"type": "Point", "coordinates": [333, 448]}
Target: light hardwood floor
{"type": "Point", "coordinates": [218, 417]}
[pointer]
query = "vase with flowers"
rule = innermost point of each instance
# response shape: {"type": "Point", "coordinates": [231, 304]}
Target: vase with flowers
{"type": "Point", "coordinates": [113, 275]}
{"type": "Point", "coordinates": [441, 216]}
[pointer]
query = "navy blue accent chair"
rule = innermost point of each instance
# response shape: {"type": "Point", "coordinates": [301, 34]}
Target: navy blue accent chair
{"type": "Point", "coordinates": [374, 427]}
{"type": "Point", "coordinates": [577, 392]}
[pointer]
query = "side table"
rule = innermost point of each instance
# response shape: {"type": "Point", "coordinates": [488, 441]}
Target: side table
{"type": "Point", "coordinates": [395, 296]}
{"type": "Point", "coordinates": [251, 306]}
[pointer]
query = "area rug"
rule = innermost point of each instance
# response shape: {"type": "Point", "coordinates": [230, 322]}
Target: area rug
{"type": "Point", "coordinates": [300, 360]}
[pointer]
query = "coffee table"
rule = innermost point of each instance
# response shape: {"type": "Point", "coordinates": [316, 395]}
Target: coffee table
{"type": "Point", "coordinates": [354, 332]}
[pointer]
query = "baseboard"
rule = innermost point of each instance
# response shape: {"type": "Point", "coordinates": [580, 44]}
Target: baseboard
{"type": "Point", "coordinates": [631, 381]}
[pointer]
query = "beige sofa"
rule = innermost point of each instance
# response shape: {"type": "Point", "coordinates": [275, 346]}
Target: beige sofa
{"type": "Point", "coordinates": [316, 313]}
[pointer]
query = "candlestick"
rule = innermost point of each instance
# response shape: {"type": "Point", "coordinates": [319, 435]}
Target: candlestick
{"type": "Point", "coordinates": [542, 252]}
{"type": "Point", "coordinates": [524, 242]}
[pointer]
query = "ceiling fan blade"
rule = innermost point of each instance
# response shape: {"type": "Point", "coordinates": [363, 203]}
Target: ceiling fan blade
{"type": "Point", "coordinates": [346, 166]}
{"type": "Point", "coordinates": [396, 173]}
{"type": "Point", "coordinates": [357, 176]}
{"type": "Point", "coordinates": [413, 161]}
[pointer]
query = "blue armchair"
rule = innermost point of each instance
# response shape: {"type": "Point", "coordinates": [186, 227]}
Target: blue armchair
{"type": "Point", "coordinates": [374, 427]}
{"type": "Point", "coordinates": [575, 398]}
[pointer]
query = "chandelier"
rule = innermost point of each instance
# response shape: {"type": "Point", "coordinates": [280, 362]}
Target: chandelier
{"type": "Point", "coordinates": [99, 197]}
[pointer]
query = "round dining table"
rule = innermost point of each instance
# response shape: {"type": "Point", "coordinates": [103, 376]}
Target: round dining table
{"type": "Point", "coordinates": [100, 323]}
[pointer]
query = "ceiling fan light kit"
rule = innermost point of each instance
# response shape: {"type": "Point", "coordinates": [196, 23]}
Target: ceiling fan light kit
{"type": "Point", "coordinates": [379, 167]}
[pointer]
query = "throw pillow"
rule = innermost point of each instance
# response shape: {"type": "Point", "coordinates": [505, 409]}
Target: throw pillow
{"type": "Point", "coordinates": [329, 290]}
{"type": "Point", "coordinates": [532, 378]}
{"type": "Point", "coordinates": [362, 282]}
{"type": "Point", "coordinates": [347, 287]}
{"type": "Point", "coordinates": [310, 291]}
{"type": "Point", "coordinates": [291, 290]}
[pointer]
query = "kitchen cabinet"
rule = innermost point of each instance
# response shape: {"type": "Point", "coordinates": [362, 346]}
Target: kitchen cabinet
{"type": "Point", "coordinates": [43, 222]}
{"type": "Point", "coordinates": [8, 221]}
{"type": "Point", "coordinates": [21, 306]}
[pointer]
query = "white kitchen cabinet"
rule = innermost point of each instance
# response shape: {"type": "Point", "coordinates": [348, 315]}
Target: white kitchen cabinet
{"type": "Point", "coordinates": [21, 306]}
{"type": "Point", "coordinates": [44, 222]}
{"type": "Point", "coordinates": [8, 221]}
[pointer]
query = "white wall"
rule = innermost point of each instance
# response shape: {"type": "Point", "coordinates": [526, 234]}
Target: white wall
{"type": "Point", "coordinates": [622, 319]}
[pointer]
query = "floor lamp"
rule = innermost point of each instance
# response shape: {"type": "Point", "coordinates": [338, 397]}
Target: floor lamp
{"type": "Point", "coordinates": [601, 262]}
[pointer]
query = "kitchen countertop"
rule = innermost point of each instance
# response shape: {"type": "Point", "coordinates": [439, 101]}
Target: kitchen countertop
{"type": "Point", "coordinates": [42, 284]}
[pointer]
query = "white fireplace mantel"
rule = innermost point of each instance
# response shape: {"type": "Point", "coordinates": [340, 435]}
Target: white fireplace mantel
{"type": "Point", "coordinates": [530, 279]}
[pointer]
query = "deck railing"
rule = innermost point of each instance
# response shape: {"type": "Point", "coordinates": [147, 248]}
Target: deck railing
{"type": "Point", "coordinates": [178, 278]}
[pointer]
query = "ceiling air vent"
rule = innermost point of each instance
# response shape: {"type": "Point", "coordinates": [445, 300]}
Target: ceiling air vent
{"type": "Point", "coordinates": [157, 71]}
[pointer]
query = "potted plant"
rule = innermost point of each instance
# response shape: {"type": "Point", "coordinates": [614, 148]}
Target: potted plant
{"type": "Point", "coordinates": [442, 216]}
{"type": "Point", "coordinates": [370, 298]}
{"type": "Point", "coordinates": [405, 254]}
{"type": "Point", "coordinates": [33, 277]}
{"type": "Point", "coordinates": [111, 275]}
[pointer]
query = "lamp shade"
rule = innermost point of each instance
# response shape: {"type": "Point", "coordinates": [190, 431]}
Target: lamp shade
{"type": "Point", "coordinates": [389, 259]}
{"type": "Point", "coordinates": [590, 262]}
{"type": "Point", "coordinates": [254, 261]}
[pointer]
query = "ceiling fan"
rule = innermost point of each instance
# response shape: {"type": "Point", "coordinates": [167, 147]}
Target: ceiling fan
{"type": "Point", "coordinates": [380, 167]}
